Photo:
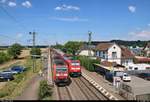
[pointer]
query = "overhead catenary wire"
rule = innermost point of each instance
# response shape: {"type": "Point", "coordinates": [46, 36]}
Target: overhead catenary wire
{"type": "Point", "coordinates": [12, 18]}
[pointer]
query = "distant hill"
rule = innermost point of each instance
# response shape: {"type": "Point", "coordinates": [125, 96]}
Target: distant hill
{"type": "Point", "coordinates": [38, 46]}
{"type": "Point", "coordinates": [123, 42]}
{"type": "Point", "coordinates": [131, 43]}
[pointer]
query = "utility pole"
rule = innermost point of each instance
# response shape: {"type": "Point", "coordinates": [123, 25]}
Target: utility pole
{"type": "Point", "coordinates": [89, 43]}
{"type": "Point", "coordinates": [33, 47]}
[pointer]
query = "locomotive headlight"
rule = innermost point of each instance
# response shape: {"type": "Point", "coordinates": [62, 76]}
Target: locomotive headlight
{"type": "Point", "coordinates": [57, 74]}
{"type": "Point", "coordinates": [78, 68]}
{"type": "Point", "coordinates": [65, 74]}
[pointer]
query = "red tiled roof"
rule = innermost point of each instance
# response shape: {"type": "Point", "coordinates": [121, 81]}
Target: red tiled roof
{"type": "Point", "coordinates": [143, 60]}
{"type": "Point", "coordinates": [108, 64]}
{"type": "Point", "coordinates": [126, 53]}
{"type": "Point", "coordinates": [103, 46]}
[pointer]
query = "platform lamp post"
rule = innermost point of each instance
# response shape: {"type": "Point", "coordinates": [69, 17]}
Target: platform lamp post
{"type": "Point", "coordinates": [113, 65]}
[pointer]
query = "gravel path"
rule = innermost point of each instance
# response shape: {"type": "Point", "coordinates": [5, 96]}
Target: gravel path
{"type": "Point", "coordinates": [31, 92]}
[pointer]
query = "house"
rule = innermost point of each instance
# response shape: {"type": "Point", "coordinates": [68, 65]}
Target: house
{"type": "Point", "coordinates": [147, 49]}
{"type": "Point", "coordinates": [85, 52]}
{"type": "Point", "coordinates": [141, 66]}
{"type": "Point", "coordinates": [136, 51]}
{"type": "Point", "coordinates": [114, 53]}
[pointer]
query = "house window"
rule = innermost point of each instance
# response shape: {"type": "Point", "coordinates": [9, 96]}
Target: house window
{"type": "Point", "coordinates": [136, 68]}
{"type": "Point", "coordinates": [130, 68]}
{"type": "Point", "coordinates": [147, 67]}
{"type": "Point", "coordinates": [97, 53]}
{"type": "Point", "coordinates": [114, 55]}
{"type": "Point", "coordinates": [126, 62]}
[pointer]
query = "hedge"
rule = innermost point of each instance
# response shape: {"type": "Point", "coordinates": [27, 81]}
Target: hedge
{"type": "Point", "coordinates": [44, 90]}
{"type": "Point", "coordinates": [87, 62]}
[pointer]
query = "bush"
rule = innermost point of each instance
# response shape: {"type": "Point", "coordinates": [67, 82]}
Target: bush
{"type": "Point", "coordinates": [44, 90]}
{"type": "Point", "coordinates": [35, 51]}
{"type": "Point", "coordinates": [3, 94]}
{"type": "Point", "coordinates": [4, 57]}
{"type": "Point", "coordinates": [19, 78]}
{"type": "Point", "coordinates": [87, 62]}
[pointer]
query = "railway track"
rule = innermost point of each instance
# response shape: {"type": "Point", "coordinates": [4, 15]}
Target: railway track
{"type": "Point", "coordinates": [90, 92]}
{"type": "Point", "coordinates": [64, 93]}
{"type": "Point", "coordinates": [79, 86]}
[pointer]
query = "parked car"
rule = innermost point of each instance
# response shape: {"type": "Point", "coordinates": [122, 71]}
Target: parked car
{"type": "Point", "coordinates": [6, 76]}
{"type": "Point", "coordinates": [126, 77]}
{"type": "Point", "coordinates": [10, 72]}
{"type": "Point", "coordinates": [144, 76]}
{"type": "Point", "coordinates": [18, 69]}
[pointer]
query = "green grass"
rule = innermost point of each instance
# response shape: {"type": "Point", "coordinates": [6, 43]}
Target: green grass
{"type": "Point", "coordinates": [17, 86]}
{"type": "Point", "coordinates": [5, 68]}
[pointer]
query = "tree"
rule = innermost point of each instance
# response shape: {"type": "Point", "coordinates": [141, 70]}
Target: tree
{"type": "Point", "coordinates": [35, 51]}
{"type": "Point", "coordinates": [58, 46]}
{"type": "Point", "coordinates": [15, 50]}
{"type": "Point", "coordinates": [72, 46]}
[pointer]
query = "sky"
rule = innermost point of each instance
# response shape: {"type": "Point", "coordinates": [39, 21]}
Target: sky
{"type": "Point", "coordinates": [64, 20]}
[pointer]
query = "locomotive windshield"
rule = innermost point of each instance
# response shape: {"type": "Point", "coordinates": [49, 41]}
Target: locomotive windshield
{"type": "Point", "coordinates": [75, 64]}
{"type": "Point", "coordinates": [61, 69]}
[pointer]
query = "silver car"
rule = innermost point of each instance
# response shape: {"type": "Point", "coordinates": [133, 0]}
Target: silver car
{"type": "Point", "coordinates": [9, 71]}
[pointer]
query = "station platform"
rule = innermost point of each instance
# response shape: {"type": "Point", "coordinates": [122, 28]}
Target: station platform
{"type": "Point", "coordinates": [104, 83]}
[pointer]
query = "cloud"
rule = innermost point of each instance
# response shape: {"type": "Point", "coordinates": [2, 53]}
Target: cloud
{"type": "Point", "coordinates": [27, 4]}
{"type": "Point", "coordinates": [69, 19]}
{"type": "Point", "coordinates": [67, 8]}
{"type": "Point", "coordinates": [149, 24]}
{"type": "Point", "coordinates": [12, 4]}
{"type": "Point", "coordinates": [2, 1]}
{"type": "Point", "coordinates": [19, 35]}
{"type": "Point", "coordinates": [132, 9]}
{"type": "Point", "coordinates": [142, 33]}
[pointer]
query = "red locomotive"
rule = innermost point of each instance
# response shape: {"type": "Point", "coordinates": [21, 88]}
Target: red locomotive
{"type": "Point", "coordinates": [60, 72]}
{"type": "Point", "coordinates": [74, 66]}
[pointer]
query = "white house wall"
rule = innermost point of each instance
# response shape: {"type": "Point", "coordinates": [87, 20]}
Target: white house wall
{"type": "Point", "coordinates": [127, 62]}
{"type": "Point", "coordinates": [85, 53]}
{"type": "Point", "coordinates": [117, 49]}
{"type": "Point", "coordinates": [139, 66]}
